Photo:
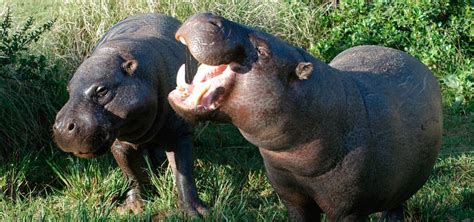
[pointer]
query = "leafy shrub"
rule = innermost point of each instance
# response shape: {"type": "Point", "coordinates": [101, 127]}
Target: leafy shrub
{"type": "Point", "coordinates": [438, 33]}
{"type": "Point", "coordinates": [15, 61]}
{"type": "Point", "coordinates": [30, 92]}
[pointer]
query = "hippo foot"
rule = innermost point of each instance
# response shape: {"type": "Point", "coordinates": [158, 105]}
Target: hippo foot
{"type": "Point", "coordinates": [394, 215]}
{"type": "Point", "coordinates": [196, 209]}
{"type": "Point", "coordinates": [133, 204]}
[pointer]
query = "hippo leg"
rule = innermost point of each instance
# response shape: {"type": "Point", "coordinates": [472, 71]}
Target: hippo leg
{"type": "Point", "coordinates": [303, 212]}
{"type": "Point", "coordinates": [181, 162]}
{"type": "Point", "coordinates": [157, 157]}
{"type": "Point", "coordinates": [300, 207]}
{"type": "Point", "coordinates": [352, 218]}
{"type": "Point", "coordinates": [132, 164]}
{"type": "Point", "coordinates": [395, 214]}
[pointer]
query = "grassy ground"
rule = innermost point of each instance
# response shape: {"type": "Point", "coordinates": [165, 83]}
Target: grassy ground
{"type": "Point", "coordinates": [38, 182]}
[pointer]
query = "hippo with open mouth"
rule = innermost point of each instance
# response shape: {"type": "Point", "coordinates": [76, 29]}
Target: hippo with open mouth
{"type": "Point", "coordinates": [357, 136]}
{"type": "Point", "coordinates": [117, 101]}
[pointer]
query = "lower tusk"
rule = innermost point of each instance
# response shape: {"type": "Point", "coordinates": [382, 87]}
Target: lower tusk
{"type": "Point", "coordinates": [180, 77]}
{"type": "Point", "coordinates": [181, 39]}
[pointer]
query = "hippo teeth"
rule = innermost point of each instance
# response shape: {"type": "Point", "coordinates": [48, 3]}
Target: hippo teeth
{"type": "Point", "coordinates": [206, 72]}
{"type": "Point", "coordinates": [208, 85]}
{"type": "Point", "coordinates": [181, 78]}
{"type": "Point", "coordinates": [197, 96]}
{"type": "Point", "coordinates": [181, 39]}
{"type": "Point", "coordinates": [198, 90]}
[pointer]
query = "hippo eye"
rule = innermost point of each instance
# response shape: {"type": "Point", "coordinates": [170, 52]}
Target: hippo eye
{"type": "Point", "coordinates": [260, 45]}
{"type": "Point", "coordinates": [262, 52]}
{"type": "Point", "coordinates": [101, 91]}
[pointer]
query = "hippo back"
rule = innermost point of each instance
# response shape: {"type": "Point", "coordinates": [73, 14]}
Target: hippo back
{"type": "Point", "coordinates": [402, 107]}
{"type": "Point", "coordinates": [153, 24]}
{"type": "Point", "coordinates": [150, 37]}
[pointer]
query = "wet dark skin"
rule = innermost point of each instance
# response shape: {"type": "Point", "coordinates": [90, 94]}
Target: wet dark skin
{"type": "Point", "coordinates": [117, 101]}
{"type": "Point", "coordinates": [355, 137]}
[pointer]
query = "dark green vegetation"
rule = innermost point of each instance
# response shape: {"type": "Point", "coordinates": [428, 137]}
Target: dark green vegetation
{"type": "Point", "coordinates": [38, 181]}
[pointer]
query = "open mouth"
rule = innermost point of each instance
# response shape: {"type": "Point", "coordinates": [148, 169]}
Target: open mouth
{"type": "Point", "coordinates": [207, 90]}
{"type": "Point", "coordinates": [96, 148]}
{"type": "Point", "coordinates": [92, 154]}
{"type": "Point", "coordinates": [85, 155]}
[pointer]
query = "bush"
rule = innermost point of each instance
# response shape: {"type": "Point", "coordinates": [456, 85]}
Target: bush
{"type": "Point", "coordinates": [437, 33]}
{"type": "Point", "coordinates": [15, 60]}
{"type": "Point", "coordinates": [30, 92]}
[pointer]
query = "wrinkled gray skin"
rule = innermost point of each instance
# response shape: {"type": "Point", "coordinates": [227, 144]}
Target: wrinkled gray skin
{"type": "Point", "coordinates": [357, 136]}
{"type": "Point", "coordinates": [117, 100]}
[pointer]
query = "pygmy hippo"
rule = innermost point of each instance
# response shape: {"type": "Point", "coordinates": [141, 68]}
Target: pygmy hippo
{"type": "Point", "coordinates": [357, 136]}
{"type": "Point", "coordinates": [117, 100]}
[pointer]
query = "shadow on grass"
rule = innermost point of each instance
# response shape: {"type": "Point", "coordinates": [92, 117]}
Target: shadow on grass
{"type": "Point", "coordinates": [223, 144]}
{"type": "Point", "coordinates": [31, 175]}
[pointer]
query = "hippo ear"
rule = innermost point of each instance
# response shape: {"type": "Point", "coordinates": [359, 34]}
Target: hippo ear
{"type": "Point", "coordinates": [130, 66]}
{"type": "Point", "coordinates": [304, 70]}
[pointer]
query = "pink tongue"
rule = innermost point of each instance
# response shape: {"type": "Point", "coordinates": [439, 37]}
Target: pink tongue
{"type": "Point", "coordinates": [218, 85]}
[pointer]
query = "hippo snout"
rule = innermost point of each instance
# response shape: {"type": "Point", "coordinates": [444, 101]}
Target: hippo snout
{"type": "Point", "coordinates": [81, 134]}
{"type": "Point", "coordinates": [64, 130]}
{"type": "Point", "coordinates": [214, 40]}
{"type": "Point", "coordinates": [66, 127]}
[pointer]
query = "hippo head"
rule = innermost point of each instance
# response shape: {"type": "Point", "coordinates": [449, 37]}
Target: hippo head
{"type": "Point", "coordinates": [239, 66]}
{"type": "Point", "coordinates": [108, 99]}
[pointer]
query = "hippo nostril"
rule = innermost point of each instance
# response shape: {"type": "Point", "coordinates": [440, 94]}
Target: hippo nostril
{"type": "Point", "coordinates": [71, 126]}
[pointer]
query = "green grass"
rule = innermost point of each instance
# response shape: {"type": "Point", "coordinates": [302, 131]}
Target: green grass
{"type": "Point", "coordinates": [39, 182]}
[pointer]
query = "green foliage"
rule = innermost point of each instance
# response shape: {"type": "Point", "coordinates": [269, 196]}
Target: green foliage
{"type": "Point", "coordinates": [16, 62]}
{"type": "Point", "coordinates": [438, 33]}
{"type": "Point", "coordinates": [26, 79]}
{"type": "Point", "coordinates": [14, 180]}
{"type": "Point", "coordinates": [449, 194]}
{"type": "Point", "coordinates": [30, 92]}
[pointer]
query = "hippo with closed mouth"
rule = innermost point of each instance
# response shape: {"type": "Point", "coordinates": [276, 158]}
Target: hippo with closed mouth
{"type": "Point", "coordinates": [117, 101]}
{"type": "Point", "coordinates": [357, 136]}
